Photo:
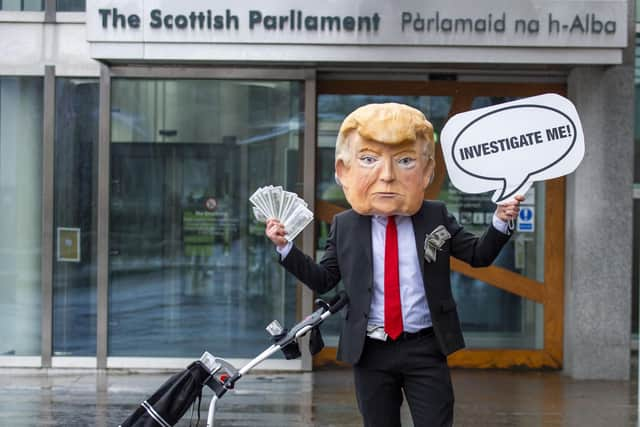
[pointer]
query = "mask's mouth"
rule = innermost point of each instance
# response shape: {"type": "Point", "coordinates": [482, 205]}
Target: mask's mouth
{"type": "Point", "coordinates": [386, 194]}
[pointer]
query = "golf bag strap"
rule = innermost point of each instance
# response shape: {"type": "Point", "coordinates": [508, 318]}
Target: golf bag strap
{"type": "Point", "coordinates": [153, 414]}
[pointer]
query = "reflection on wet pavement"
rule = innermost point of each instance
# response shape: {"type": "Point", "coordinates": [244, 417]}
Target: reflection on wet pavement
{"type": "Point", "coordinates": [322, 398]}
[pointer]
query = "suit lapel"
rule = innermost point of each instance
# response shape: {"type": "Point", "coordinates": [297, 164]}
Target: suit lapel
{"type": "Point", "coordinates": [363, 237]}
{"type": "Point", "coordinates": [419, 229]}
{"type": "Point", "coordinates": [423, 224]}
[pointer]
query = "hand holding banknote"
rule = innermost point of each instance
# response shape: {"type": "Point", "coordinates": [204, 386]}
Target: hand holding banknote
{"type": "Point", "coordinates": [285, 214]}
{"type": "Point", "coordinates": [276, 233]}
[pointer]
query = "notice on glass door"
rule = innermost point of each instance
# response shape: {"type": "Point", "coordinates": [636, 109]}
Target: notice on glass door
{"type": "Point", "coordinates": [198, 232]}
{"type": "Point", "coordinates": [68, 244]}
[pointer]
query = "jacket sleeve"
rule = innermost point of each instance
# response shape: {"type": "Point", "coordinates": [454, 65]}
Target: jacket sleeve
{"type": "Point", "coordinates": [475, 251]}
{"type": "Point", "coordinates": [322, 276]}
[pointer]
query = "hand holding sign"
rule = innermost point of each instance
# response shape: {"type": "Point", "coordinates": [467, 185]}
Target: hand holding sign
{"type": "Point", "coordinates": [509, 210]}
{"type": "Point", "coordinates": [507, 147]}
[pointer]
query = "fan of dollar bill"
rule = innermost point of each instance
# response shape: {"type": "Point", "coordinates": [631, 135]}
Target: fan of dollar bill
{"type": "Point", "coordinates": [285, 206]}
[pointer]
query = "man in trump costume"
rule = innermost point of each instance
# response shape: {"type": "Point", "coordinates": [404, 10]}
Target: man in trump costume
{"type": "Point", "coordinates": [391, 250]}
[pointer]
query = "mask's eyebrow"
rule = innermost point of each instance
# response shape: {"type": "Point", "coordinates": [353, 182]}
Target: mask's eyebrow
{"type": "Point", "coordinates": [406, 152]}
{"type": "Point", "coordinates": [368, 149]}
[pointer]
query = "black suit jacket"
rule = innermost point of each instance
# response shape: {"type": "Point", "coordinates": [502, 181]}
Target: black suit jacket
{"type": "Point", "coordinates": [348, 256]}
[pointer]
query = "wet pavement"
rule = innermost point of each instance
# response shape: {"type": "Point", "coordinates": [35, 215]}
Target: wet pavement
{"type": "Point", "coordinates": [323, 398]}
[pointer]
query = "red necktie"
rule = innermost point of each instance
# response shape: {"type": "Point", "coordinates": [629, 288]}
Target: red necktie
{"type": "Point", "coordinates": [392, 305]}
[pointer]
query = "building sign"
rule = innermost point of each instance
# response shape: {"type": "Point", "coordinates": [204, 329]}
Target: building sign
{"type": "Point", "coordinates": [496, 23]}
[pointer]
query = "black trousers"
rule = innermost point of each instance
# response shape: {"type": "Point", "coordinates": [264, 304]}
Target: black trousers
{"type": "Point", "coordinates": [414, 365]}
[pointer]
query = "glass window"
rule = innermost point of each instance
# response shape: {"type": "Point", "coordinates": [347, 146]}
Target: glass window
{"type": "Point", "coordinates": [22, 5]}
{"type": "Point", "coordinates": [637, 111]}
{"type": "Point", "coordinates": [493, 318]}
{"type": "Point", "coordinates": [21, 219]}
{"type": "Point", "coordinates": [75, 187]}
{"type": "Point", "coordinates": [70, 5]}
{"type": "Point", "coordinates": [475, 213]}
{"type": "Point", "coordinates": [498, 318]}
{"type": "Point", "coordinates": [190, 268]}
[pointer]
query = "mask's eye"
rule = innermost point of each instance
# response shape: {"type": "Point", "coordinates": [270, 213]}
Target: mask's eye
{"type": "Point", "coordinates": [367, 160]}
{"type": "Point", "coordinates": [406, 162]}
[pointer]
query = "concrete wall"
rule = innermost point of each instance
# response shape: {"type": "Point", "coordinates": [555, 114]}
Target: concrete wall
{"type": "Point", "coordinates": [27, 47]}
{"type": "Point", "coordinates": [599, 227]}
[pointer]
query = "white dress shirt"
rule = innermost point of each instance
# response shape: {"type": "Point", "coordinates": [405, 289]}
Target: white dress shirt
{"type": "Point", "coordinates": [415, 311]}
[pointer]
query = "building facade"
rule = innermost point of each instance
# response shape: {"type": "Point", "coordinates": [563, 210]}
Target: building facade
{"type": "Point", "coordinates": [133, 133]}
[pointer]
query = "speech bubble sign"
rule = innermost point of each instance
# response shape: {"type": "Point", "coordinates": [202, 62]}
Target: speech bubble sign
{"type": "Point", "coordinates": [507, 147]}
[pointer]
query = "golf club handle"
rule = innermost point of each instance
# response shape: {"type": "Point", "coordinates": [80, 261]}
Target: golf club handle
{"type": "Point", "coordinates": [338, 302]}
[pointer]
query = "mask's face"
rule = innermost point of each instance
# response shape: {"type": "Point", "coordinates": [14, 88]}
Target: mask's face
{"type": "Point", "coordinates": [385, 179]}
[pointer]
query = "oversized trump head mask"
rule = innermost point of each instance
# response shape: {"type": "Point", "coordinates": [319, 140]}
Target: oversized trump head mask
{"type": "Point", "coordinates": [385, 159]}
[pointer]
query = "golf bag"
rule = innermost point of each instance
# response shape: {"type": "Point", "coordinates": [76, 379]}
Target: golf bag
{"type": "Point", "coordinates": [169, 403]}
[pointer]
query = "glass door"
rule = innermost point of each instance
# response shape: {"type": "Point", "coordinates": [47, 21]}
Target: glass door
{"type": "Point", "coordinates": [511, 312]}
{"type": "Point", "coordinates": [190, 268]}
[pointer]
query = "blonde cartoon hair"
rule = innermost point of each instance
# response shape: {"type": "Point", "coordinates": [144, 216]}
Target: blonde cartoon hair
{"type": "Point", "coordinates": [388, 123]}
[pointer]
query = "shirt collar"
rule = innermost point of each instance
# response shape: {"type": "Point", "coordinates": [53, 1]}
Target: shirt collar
{"type": "Point", "coordinates": [380, 219]}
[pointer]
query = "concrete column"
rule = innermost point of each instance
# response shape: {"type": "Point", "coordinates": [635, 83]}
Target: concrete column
{"type": "Point", "coordinates": [599, 227]}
